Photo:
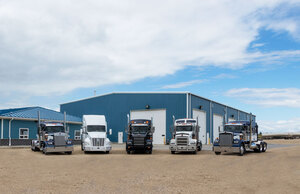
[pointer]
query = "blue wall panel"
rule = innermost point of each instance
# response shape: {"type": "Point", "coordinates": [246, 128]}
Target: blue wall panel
{"type": "Point", "coordinates": [116, 107]}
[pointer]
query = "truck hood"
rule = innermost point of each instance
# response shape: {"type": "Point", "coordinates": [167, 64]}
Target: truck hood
{"type": "Point", "coordinates": [184, 133]}
{"type": "Point", "coordinates": [139, 135]}
{"type": "Point", "coordinates": [97, 134]}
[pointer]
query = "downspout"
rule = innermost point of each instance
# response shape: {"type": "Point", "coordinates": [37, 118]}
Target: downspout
{"type": "Point", "coordinates": [187, 105]}
{"type": "Point", "coordinates": [9, 131]}
{"type": "Point", "coordinates": [238, 115]}
{"type": "Point", "coordinates": [210, 121]}
{"type": "Point", "coordinates": [2, 128]}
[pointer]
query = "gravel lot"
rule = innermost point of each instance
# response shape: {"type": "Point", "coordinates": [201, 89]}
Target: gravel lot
{"type": "Point", "coordinates": [276, 171]}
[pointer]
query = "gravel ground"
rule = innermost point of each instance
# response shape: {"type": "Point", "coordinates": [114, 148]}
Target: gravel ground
{"type": "Point", "coordinates": [275, 171]}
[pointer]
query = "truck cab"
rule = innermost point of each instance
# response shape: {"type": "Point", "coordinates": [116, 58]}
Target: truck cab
{"type": "Point", "coordinates": [185, 136]}
{"type": "Point", "coordinates": [52, 137]}
{"type": "Point", "coordinates": [94, 134]}
{"type": "Point", "coordinates": [139, 136]}
{"type": "Point", "coordinates": [238, 137]}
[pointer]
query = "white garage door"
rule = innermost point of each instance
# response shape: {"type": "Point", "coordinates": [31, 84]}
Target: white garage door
{"type": "Point", "coordinates": [202, 123]}
{"type": "Point", "coordinates": [218, 123]}
{"type": "Point", "coordinates": [159, 122]}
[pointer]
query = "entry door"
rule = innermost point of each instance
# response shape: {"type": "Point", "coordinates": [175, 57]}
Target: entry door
{"type": "Point", "coordinates": [159, 122]}
{"type": "Point", "coordinates": [218, 124]}
{"type": "Point", "coordinates": [120, 137]}
{"type": "Point", "coordinates": [202, 123]}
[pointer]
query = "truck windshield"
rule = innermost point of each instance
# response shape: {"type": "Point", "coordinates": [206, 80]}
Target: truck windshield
{"type": "Point", "coordinates": [95, 128]}
{"type": "Point", "coordinates": [234, 128]}
{"type": "Point", "coordinates": [139, 129]}
{"type": "Point", "coordinates": [184, 128]}
{"type": "Point", "coordinates": [55, 129]}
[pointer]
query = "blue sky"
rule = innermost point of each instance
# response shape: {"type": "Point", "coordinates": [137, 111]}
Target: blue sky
{"type": "Point", "coordinates": [244, 54]}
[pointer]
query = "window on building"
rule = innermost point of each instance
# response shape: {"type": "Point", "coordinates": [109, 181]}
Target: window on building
{"type": "Point", "coordinates": [77, 134]}
{"type": "Point", "coordinates": [24, 133]}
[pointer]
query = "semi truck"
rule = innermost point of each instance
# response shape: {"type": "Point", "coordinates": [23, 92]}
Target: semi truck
{"type": "Point", "coordinates": [239, 137]}
{"type": "Point", "coordinates": [94, 134]}
{"type": "Point", "coordinates": [185, 136]}
{"type": "Point", "coordinates": [140, 136]}
{"type": "Point", "coordinates": [52, 137]}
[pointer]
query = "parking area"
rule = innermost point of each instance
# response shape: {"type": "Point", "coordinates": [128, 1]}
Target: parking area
{"type": "Point", "coordinates": [276, 171]}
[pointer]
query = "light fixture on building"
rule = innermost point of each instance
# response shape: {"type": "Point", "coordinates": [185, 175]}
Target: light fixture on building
{"type": "Point", "coordinates": [147, 106]}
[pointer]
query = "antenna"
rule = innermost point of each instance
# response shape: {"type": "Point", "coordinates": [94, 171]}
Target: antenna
{"type": "Point", "coordinates": [65, 122]}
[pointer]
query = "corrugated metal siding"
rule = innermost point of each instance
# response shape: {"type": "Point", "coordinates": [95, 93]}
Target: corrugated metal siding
{"type": "Point", "coordinates": [116, 106]}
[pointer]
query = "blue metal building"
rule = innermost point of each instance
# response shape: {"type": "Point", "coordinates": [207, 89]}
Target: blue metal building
{"type": "Point", "coordinates": [161, 106]}
{"type": "Point", "coordinates": [19, 125]}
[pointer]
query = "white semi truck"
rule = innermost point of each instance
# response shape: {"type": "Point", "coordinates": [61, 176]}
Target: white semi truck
{"type": "Point", "coordinates": [185, 136]}
{"type": "Point", "coordinates": [94, 134]}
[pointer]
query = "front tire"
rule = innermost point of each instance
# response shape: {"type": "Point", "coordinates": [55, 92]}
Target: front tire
{"type": "Point", "coordinates": [69, 153]}
{"type": "Point", "coordinates": [172, 152]}
{"type": "Point", "coordinates": [107, 152]}
{"type": "Point", "coordinates": [265, 147]}
{"type": "Point", "coordinates": [217, 153]}
{"type": "Point", "coordinates": [242, 150]}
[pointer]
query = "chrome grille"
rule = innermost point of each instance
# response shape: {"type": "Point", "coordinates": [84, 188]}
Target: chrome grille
{"type": "Point", "coordinates": [98, 141]}
{"type": "Point", "coordinates": [59, 140]}
{"type": "Point", "coordinates": [139, 140]}
{"type": "Point", "coordinates": [225, 139]}
{"type": "Point", "coordinates": [184, 140]}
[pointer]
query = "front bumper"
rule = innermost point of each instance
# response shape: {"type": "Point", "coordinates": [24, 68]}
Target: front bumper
{"type": "Point", "coordinates": [51, 149]}
{"type": "Point", "coordinates": [97, 148]}
{"type": "Point", "coordinates": [182, 148]}
{"type": "Point", "coordinates": [226, 149]}
{"type": "Point", "coordinates": [138, 147]}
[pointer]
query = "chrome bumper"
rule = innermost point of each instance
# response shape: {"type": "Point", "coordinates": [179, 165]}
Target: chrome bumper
{"type": "Point", "coordinates": [226, 149]}
{"type": "Point", "coordinates": [59, 149]}
{"type": "Point", "coordinates": [181, 148]}
{"type": "Point", "coordinates": [97, 148]}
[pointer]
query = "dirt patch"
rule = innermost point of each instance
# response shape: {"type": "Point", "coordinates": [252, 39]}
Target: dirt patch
{"type": "Point", "coordinates": [24, 171]}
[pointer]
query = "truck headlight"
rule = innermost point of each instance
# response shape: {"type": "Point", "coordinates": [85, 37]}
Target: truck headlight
{"type": "Point", "coordinates": [50, 142]}
{"type": "Point", "coordinates": [69, 142]}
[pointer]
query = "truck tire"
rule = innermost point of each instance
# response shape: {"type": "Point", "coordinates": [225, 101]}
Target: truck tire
{"type": "Point", "coordinates": [265, 147]}
{"type": "Point", "coordinates": [149, 151]}
{"type": "Point", "coordinates": [261, 147]}
{"type": "Point", "coordinates": [242, 150]}
{"type": "Point", "coordinates": [82, 147]}
{"type": "Point", "coordinates": [69, 153]}
{"type": "Point", "coordinates": [172, 152]}
{"type": "Point", "coordinates": [128, 152]}
{"type": "Point", "coordinates": [194, 152]}
{"type": "Point", "coordinates": [107, 152]}
{"type": "Point", "coordinates": [217, 153]}
{"type": "Point", "coordinates": [199, 148]}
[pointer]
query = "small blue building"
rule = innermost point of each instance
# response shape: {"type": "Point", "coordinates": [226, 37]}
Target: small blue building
{"type": "Point", "coordinates": [19, 126]}
{"type": "Point", "coordinates": [160, 106]}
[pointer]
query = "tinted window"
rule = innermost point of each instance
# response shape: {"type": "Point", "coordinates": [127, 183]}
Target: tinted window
{"type": "Point", "coordinates": [184, 128]}
{"type": "Point", "coordinates": [95, 128]}
{"type": "Point", "coordinates": [54, 129]}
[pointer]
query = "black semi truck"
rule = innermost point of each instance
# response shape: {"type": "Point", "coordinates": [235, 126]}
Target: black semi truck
{"type": "Point", "coordinates": [139, 136]}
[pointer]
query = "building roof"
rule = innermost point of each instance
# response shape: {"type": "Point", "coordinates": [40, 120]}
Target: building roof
{"type": "Point", "coordinates": [158, 92]}
{"type": "Point", "coordinates": [32, 113]}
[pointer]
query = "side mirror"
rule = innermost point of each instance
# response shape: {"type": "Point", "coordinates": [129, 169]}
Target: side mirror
{"type": "Point", "coordinates": [110, 131]}
{"type": "Point", "coordinates": [152, 129]}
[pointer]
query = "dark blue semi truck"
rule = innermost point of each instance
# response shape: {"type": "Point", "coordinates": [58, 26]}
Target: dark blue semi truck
{"type": "Point", "coordinates": [239, 137]}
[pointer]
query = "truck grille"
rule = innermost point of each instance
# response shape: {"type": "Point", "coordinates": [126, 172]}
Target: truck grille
{"type": "Point", "coordinates": [226, 139]}
{"type": "Point", "coordinates": [59, 140]}
{"type": "Point", "coordinates": [98, 141]}
{"type": "Point", "coordinates": [182, 141]}
{"type": "Point", "coordinates": [139, 140]}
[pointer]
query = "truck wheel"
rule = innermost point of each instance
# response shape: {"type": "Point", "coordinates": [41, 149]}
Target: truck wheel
{"type": "Point", "coordinates": [150, 152]}
{"type": "Point", "coordinates": [128, 152]}
{"type": "Point", "coordinates": [217, 153]}
{"type": "Point", "coordinates": [194, 152]}
{"type": "Point", "coordinates": [265, 147]}
{"type": "Point", "coordinates": [199, 148]}
{"type": "Point", "coordinates": [107, 152]}
{"type": "Point", "coordinates": [172, 152]}
{"type": "Point", "coordinates": [261, 147]}
{"type": "Point", "coordinates": [242, 150]}
{"type": "Point", "coordinates": [69, 153]}
{"type": "Point", "coordinates": [82, 147]}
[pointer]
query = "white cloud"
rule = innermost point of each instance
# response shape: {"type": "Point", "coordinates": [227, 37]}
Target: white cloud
{"type": "Point", "coordinates": [281, 126]}
{"type": "Point", "coordinates": [183, 84]}
{"type": "Point", "coordinates": [268, 97]}
{"type": "Point", "coordinates": [224, 76]}
{"type": "Point", "coordinates": [53, 47]}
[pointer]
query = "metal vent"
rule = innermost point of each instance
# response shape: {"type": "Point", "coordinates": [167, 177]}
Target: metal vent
{"type": "Point", "coordinates": [98, 141]}
{"type": "Point", "coordinates": [139, 140]}
{"type": "Point", "coordinates": [226, 139]}
{"type": "Point", "coordinates": [184, 140]}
